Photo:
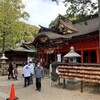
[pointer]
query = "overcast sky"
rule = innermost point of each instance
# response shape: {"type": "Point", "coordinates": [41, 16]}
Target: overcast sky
{"type": "Point", "coordinates": [42, 12]}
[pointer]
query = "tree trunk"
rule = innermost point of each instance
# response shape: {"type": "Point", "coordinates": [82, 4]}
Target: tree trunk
{"type": "Point", "coordinates": [3, 43]}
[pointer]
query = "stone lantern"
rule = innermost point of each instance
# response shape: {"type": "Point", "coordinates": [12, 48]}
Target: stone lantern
{"type": "Point", "coordinates": [3, 62]}
{"type": "Point", "coordinates": [72, 55]}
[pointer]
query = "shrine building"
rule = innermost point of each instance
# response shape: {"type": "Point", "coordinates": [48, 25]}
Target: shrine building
{"type": "Point", "coordinates": [20, 55]}
{"type": "Point", "coordinates": [58, 40]}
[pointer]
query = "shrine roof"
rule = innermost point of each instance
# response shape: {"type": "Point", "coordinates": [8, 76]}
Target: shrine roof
{"type": "Point", "coordinates": [24, 46]}
{"type": "Point", "coordinates": [68, 24]}
{"type": "Point", "coordinates": [92, 26]}
{"type": "Point", "coordinates": [22, 49]}
{"type": "Point", "coordinates": [51, 35]}
{"type": "Point", "coordinates": [83, 29]}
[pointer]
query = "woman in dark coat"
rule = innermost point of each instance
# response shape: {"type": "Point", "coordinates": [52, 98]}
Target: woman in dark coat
{"type": "Point", "coordinates": [10, 70]}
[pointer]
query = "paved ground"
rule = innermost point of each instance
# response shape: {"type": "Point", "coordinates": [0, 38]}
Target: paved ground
{"type": "Point", "coordinates": [48, 92]}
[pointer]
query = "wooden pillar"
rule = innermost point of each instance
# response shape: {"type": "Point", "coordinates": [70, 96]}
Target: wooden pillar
{"type": "Point", "coordinates": [82, 56]}
{"type": "Point", "coordinates": [46, 58]}
{"type": "Point", "coordinates": [97, 55]}
{"type": "Point", "coordinates": [63, 83]}
{"type": "Point", "coordinates": [81, 86]}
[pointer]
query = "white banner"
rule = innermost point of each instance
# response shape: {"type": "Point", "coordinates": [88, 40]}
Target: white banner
{"type": "Point", "coordinates": [59, 57]}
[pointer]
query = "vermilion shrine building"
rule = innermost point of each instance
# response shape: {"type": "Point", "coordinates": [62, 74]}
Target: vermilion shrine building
{"type": "Point", "coordinates": [59, 39]}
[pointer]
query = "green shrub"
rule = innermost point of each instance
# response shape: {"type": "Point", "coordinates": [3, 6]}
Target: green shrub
{"type": "Point", "coordinates": [54, 64]}
{"type": "Point", "coordinates": [54, 76]}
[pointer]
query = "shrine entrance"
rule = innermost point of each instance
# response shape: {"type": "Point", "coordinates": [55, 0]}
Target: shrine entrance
{"type": "Point", "coordinates": [90, 56]}
{"type": "Point", "coordinates": [93, 57]}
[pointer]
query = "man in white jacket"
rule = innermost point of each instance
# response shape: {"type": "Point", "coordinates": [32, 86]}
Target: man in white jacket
{"type": "Point", "coordinates": [31, 66]}
{"type": "Point", "coordinates": [26, 72]}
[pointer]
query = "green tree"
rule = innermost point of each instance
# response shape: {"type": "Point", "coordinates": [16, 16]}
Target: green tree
{"type": "Point", "coordinates": [80, 8]}
{"type": "Point", "coordinates": [11, 12]}
{"type": "Point", "coordinates": [28, 32]}
{"type": "Point", "coordinates": [53, 22]}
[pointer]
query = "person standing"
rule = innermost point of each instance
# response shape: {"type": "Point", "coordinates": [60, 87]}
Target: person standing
{"type": "Point", "coordinates": [10, 70]}
{"type": "Point", "coordinates": [50, 69]}
{"type": "Point", "coordinates": [31, 66]}
{"type": "Point", "coordinates": [15, 73]}
{"type": "Point", "coordinates": [39, 73]}
{"type": "Point", "coordinates": [26, 73]}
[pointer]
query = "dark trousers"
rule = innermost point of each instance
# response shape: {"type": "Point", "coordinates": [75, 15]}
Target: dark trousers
{"type": "Point", "coordinates": [31, 79]}
{"type": "Point", "coordinates": [10, 73]}
{"type": "Point", "coordinates": [26, 81]}
{"type": "Point", "coordinates": [15, 77]}
{"type": "Point", "coordinates": [38, 83]}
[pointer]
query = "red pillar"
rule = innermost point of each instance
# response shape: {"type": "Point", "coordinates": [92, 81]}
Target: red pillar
{"type": "Point", "coordinates": [55, 56]}
{"type": "Point", "coordinates": [46, 58]}
{"type": "Point", "coordinates": [97, 55]}
{"type": "Point", "coordinates": [82, 56]}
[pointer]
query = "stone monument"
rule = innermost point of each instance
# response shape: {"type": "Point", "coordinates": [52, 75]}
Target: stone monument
{"type": "Point", "coordinates": [71, 56]}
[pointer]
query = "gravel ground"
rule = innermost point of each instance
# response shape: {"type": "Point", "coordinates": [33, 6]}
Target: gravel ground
{"type": "Point", "coordinates": [48, 92]}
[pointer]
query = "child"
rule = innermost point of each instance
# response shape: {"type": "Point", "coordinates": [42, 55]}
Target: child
{"type": "Point", "coordinates": [15, 73]}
